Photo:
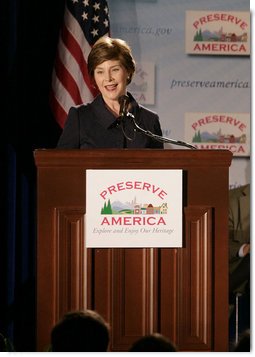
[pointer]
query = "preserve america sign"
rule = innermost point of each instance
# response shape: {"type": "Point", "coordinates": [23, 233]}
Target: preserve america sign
{"type": "Point", "coordinates": [218, 33]}
{"type": "Point", "coordinates": [133, 208]}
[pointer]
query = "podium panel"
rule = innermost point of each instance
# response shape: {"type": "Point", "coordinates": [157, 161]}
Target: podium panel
{"type": "Point", "coordinates": [179, 292]}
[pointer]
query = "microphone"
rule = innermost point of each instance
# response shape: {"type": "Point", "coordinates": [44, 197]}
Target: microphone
{"type": "Point", "coordinates": [124, 102]}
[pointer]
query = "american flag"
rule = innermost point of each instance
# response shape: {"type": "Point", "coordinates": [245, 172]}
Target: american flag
{"type": "Point", "coordinates": [85, 21]}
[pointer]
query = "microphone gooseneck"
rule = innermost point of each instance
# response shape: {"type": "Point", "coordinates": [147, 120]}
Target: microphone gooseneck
{"type": "Point", "coordinates": [158, 137]}
{"type": "Point", "coordinates": [123, 113]}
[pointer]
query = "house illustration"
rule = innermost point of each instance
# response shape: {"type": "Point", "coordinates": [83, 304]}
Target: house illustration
{"type": "Point", "coordinates": [134, 208]}
{"type": "Point", "coordinates": [137, 209]}
{"type": "Point", "coordinates": [150, 209]}
{"type": "Point", "coordinates": [163, 208]}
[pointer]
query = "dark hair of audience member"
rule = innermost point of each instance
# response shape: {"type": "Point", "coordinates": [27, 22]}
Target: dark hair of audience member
{"type": "Point", "coordinates": [155, 342]}
{"type": "Point", "coordinates": [80, 331]}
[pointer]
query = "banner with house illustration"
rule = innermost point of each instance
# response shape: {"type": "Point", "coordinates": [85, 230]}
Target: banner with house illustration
{"type": "Point", "coordinates": [226, 131]}
{"type": "Point", "coordinates": [133, 208]}
{"type": "Point", "coordinates": [218, 32]}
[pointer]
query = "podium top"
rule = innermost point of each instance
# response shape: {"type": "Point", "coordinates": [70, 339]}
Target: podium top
{"type": "Point", "coordinates": [132, 158]}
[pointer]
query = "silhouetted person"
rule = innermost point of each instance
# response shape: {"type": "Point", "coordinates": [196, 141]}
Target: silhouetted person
{"type": "Point", "coordinates": [153, 343]}
{"type": "Point", "coordinates": [244, 343]}
{"type": "Point", "coordinates": [80, 331]}
{"type": "Point", "coordinates": [239, 239]}
{"type": "Point", "coordinates": [2, 343]}
{"type": "Point", "coordinates": [239, 260]}
{"type": "Point", "coordinates": [5, 344]}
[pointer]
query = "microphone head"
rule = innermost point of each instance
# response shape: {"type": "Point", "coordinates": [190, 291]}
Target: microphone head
{"type": "Point", "coordinates": [123, 101]}
{"type": "Point", "coordinates": [123, 98]}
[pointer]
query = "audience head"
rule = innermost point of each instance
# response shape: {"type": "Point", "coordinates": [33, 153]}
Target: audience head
{"type": "Point", "coordinates": [153, 343]}
{"type": "Point", "coordinates": [80, 331]}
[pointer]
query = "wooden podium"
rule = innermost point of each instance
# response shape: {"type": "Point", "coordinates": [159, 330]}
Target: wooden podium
{"type": "Point", "coordinates": [179, 292]}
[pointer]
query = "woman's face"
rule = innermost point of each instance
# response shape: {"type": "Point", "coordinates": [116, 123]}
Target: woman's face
{"type": "Point", "coordinates": [111, 79]}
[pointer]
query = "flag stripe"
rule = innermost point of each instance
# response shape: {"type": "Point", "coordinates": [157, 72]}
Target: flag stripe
{"type": "Point", "coordinates": [74, 28]}
{"type": "Point", "coordinates": [62, 95]}
{"type": "Point", "coordinates": [72, 67]}
{"type": "Point", "coordinates": [67, 80]}
{"type": "Point", "coordinates": [58, 110]}
{"type": "Point", "coordinates": [77, 53]}
{"type": "Point", "coordinates": [84, 22]}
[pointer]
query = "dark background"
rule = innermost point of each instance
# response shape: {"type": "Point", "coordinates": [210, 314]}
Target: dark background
{"type": "Point", "coordinates": [29, 32]}
{"type": "Point", "coordinates": [28, 39]}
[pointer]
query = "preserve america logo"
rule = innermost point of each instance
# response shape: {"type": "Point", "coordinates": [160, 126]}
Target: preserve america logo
{"type": "Point", "coordinates": [133, 208]}
{"type": "Point", "coordinates": [218, 32]}
{"type": "Point", "coordinates": [228, 131]}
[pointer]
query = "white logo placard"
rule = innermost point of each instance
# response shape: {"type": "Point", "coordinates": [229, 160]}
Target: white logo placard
{"type": "Point", "coordinates": [218, 32]}
{"type": "Point", "coordinates": [133, 208]}
{"type": "Point", "coordinates": [222, 131]}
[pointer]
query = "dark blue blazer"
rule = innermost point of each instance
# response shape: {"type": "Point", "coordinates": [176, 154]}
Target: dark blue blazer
{"type": "Point", "coordinates": [94, 126]}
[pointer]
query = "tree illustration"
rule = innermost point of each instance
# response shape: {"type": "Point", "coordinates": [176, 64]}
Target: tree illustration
{"type": "Point", "coordinates": [199, 139]}
{"type": "Point", "coordinates": [198, 36]}
{"type": "Point", "coordinates": [107, 209]}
